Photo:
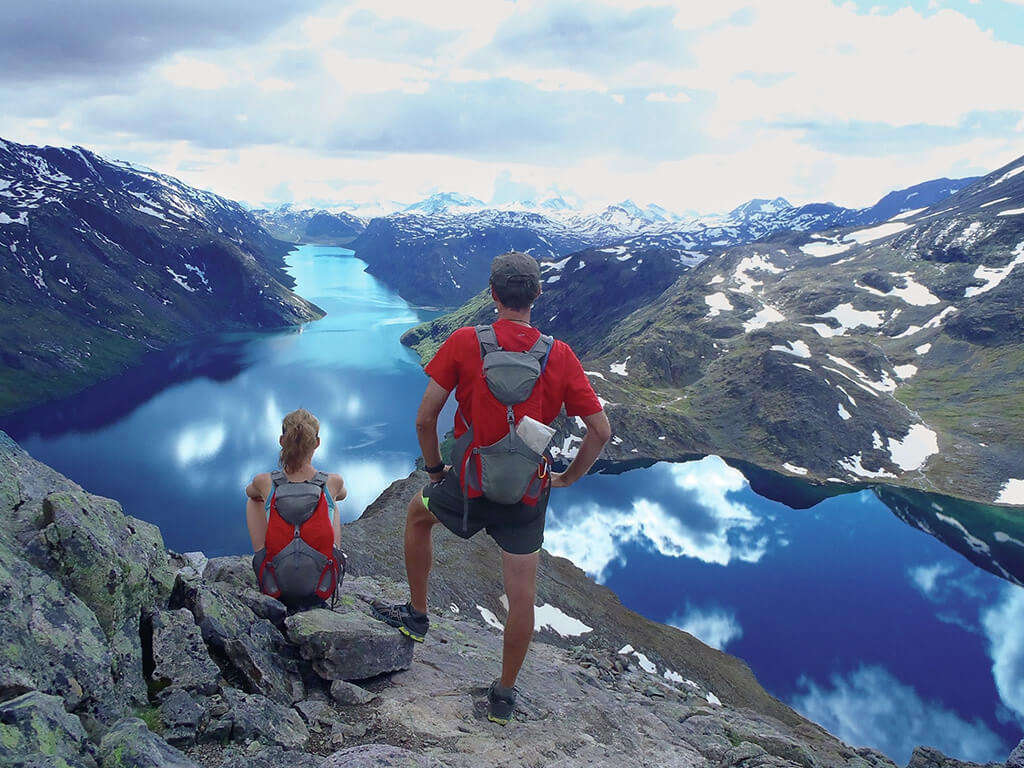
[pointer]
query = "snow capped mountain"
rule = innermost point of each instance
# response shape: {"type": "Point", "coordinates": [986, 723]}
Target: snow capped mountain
{"type": "Point", "coordinates": [310, 225]}
{"type": "Point", "coordinates": [101, 260]}
{"type": "Point", "coordinates": [445, 202]}
{"type": "Point", "coordinates": [759, 207]}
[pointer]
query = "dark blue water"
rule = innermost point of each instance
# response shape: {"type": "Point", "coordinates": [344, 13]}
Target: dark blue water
{"type": "Point", "coordinates": [877, 630]}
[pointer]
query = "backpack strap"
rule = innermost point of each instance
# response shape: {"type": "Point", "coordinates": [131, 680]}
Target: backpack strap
{"type": "Point", "coordinates": [320, 478]}
{"type": "Point", "coordinates": [277, 477]}
{"type": "Point", "coordinates": [488, 339]}
{"type": "Point", "coordinates": [541, 349]}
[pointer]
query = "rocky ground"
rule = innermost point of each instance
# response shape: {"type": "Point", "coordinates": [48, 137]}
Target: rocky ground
{"type": "Point", "coordinates": [119, 653]}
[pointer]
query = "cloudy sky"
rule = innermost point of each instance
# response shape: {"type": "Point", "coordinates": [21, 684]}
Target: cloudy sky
{"type": "Point", "coordinates": [696, 106]}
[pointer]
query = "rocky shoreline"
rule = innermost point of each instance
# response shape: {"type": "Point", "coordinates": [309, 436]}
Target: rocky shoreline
{"type": "Point", "coordinates": [120, 653]}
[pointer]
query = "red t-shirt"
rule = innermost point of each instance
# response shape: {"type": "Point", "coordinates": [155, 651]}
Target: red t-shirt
{"type": "Point", "coordinates": [459, 366]}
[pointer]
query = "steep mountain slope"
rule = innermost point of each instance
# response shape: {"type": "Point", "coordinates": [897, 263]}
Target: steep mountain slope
{"type": "Point", "coordinates": [103, 260]}
{"type": "Point", "coordinates": [310, 225]}
{"type": "Point", "coordinates": [575, 297]}
{"type": "Point", "coordinates": [891, 353]}
{"type": "Point", "coordinates": [444, 260]}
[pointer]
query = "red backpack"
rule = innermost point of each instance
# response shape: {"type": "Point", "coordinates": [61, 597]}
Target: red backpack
{"type": "Point", "coordinates": [299, 559]}
{"type": "Point", "coordinates": [506, 471]}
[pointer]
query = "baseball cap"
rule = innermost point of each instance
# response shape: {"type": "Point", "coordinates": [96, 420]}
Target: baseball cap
{"type": "Point", "coordinates": [514, 267]}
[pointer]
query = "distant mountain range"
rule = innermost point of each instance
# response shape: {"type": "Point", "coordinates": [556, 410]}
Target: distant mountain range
{"type": "Point", "coordinates": [840, 347]}
{"type": "Point", "coordinates": [102, 260]}
{"type": "Point", "coordinates": [436, 252]}
{"type": "Point", "coordinates": [309, 225]}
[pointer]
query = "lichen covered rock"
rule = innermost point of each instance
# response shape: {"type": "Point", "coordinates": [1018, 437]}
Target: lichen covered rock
{"type": "Point", "coordinates": [37, 724]}
{"type": "Point", "coordinates": [130, 744]}
{"type": "Point", "coordinates": [348, 645]}
{"type": "Point", "coordinates": [179, 653]}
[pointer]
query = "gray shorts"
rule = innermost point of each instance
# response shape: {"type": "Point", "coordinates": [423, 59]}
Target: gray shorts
{"type": "Point", "coordinates": [517, 528]}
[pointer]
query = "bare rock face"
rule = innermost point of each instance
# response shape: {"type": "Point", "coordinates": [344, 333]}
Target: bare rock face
{"type": "Point", "coordinates": [927, 757]}
{"type": "Point", "coordinates": [254, 717]}
{"type": "Point", "coordinates": [179, 654]}
{"type": "Point", "coordinates": [348, 645]}
{"type": "Point", "coordinates": [182, 718]}
{"type": "Point", "coordinates": [252, 646]}
{"type": "Point", "coordinates": [1016, 758]}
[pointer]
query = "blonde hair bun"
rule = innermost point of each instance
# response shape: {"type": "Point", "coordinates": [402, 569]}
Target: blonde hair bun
{"type": "Point", "coordinates": [299, 432]}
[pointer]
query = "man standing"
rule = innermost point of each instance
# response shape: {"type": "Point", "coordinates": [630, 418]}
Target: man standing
{"type": "Point", "coordinates": [452, 500]}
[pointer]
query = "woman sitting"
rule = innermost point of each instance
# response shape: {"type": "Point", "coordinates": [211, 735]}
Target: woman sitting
{"type": "Point", "coordinates": [294, 523]}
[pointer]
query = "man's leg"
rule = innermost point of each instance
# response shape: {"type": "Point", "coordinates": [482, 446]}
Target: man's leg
{"type": "Point", "coordinates": [419, 551]}
{"type": "Point", "coordinates": [520, 573]}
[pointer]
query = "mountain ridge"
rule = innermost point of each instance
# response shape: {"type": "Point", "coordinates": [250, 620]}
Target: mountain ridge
{"type": "Point", "coordinates": [104, 260]}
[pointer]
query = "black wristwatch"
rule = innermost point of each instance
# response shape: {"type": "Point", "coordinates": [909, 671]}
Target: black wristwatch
{"type": "Point", "coordinates": [435, 469]}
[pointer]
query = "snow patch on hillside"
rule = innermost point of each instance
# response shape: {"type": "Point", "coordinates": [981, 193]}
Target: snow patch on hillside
{"type": "Point", "coordinates": [1012, 492]}
{"type": "Point", "coordinates": [913, 450]}
{"type": "Point", "coordinates": [876, 233]}
{"type": "Point", "coordinates": [767, 315]}
{"type": "Point", "coordinates": [717, 303]}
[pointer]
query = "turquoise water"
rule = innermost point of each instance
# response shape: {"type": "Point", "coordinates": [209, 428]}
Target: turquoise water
{"type": "Point", "coordinates": [879, 631]}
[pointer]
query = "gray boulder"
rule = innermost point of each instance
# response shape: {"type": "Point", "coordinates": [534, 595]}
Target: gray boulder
{"type": "Point", "coordinates": [180, 657]}
{"type": "Point", "coordinates": [182, 717]}
{"type": "Point", "coordinates": [235, 570]}
{"type": "Point", "coordinates": [1016, 758]}
{"type": "Point", "coordinates": [130, 744]}
{"type": "Point", "coordinates": [349, 645]}
{"type": "Point", "coordinates": [378, 756]}
{"type": "Point", "coordinates": [254, 717]}
{"type": "Point", "coordinates": [35, 727]}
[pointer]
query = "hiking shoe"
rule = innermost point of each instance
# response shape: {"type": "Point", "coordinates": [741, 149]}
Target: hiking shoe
{"type": "Point", "coordinates": [404, 618]}
{"type": "Point", "coordinates": [500, 703]}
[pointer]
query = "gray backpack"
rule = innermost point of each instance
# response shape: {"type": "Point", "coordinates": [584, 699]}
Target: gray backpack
{"type": "Point", "coordinates": [507, 471]}
{"type": "Point", "coordinates": [299, 560]}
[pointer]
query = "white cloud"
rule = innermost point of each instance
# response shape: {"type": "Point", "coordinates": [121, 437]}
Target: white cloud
{"type": "Point", "coordinates": [748, 102]}
{"type": "Point", "coordinates": [714, 626]}
{"type": "Point", "coordinates": [366, 480]}
{"type": "Point", "coordinates": [704, 524]}
{"type": "Point", "coordinates": [870, 707]}
{"type": "Point", "coordinates": [926, 577]}
{"type": "Point", "coordinates": [191, 72]}
{"type": "Point", "coordinates": [1003, 625]}
{"type": "Point", "coordinates": [199, 442]}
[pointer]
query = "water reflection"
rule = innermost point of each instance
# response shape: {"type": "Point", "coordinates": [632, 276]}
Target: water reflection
{"type": "Point", "coordinates": [886, 636]}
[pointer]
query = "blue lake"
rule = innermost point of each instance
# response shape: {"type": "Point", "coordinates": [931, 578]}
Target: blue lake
{"type": "Point", "coordinates": [868, 625]}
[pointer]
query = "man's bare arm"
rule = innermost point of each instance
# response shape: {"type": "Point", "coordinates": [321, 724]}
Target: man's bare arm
{"type": "Point", "coordinates": [599, 432]}
{"type": "Point", "coordinates": [426, 425]}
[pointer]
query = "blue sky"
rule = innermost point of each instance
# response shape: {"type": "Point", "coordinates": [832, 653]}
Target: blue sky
{"type": "Point", "coordinates": [692, 106]}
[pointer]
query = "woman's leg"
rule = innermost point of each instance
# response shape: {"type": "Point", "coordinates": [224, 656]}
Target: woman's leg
{"type": "Point", "coordinates": [256, 520]}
